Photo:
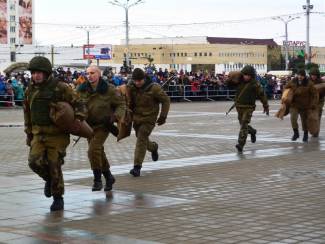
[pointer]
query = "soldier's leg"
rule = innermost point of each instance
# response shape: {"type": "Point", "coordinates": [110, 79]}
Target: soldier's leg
{"type": "Point", "coordinates": [294, 123]}
{"type": "Point", "coordinates": [56, 151]}
{"type": "Point", "coordinates": [142, 132]}
{"type": "Point", "coordinates": [152, 146]}
{"type": "Point", "coordinates": [37, 158]}
{"type": "Point", "coordinates": [97, 156]}
{"type": "Point", "coordinates": [303, 116]}
{"type": "Point", "coordinates": [245, 120]}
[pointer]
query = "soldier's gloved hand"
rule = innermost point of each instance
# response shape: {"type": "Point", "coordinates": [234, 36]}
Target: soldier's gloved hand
{"type": "Point", "coordinates": [29, 139]}
{"type": "Point", "coordinates": [266, 110]}
{"type": "Point", "coordinates": [161, 120]}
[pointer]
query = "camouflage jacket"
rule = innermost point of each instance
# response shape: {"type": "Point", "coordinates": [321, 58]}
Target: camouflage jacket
{"type": "Point", "coordinates": [50, 91]}
{"type": "Point", "coordinates": [105, 104]}
{"type": "Point", "coordinates": [144, 102]}
{"type": "Point", "coordinates": [248, 92]}
{"type": "Point", "coordinates": [305, 95]}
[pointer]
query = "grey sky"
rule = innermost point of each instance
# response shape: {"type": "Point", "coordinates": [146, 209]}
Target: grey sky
{"type": "Point", "coordinates": [110, 19]}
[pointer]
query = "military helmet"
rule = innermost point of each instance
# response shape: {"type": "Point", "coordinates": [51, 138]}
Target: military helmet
{"type": "Point", "coordinates": [138, 74]}
{"type": "Point", "coordinates": [314, 71]}
{"type": "Point", "coordinates": [40, 63]}
{"type": "Point", "coordinates": [248, 70]}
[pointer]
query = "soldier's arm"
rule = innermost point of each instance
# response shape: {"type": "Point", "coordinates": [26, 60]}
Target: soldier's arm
{"type": "Point", "coordinates": [119, 104]}
{"type": "Point", "coordinates": [161, 96]}
{"type": "Point", "coordinates": [70, 96]}
{"type": "Point", "coordinates": [27, 115]}
{"type": "Point", "coordinates": [261, 95]}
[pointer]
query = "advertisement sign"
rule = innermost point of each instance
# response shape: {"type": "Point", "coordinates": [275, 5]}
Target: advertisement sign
{"type": "Point", "coordinates": [3, 22]}
{"type": "Point", "coordinates": [25, 22]}
{"type": "Point", "coordinates": [102, 51]}
{"type": "Point", "coordinates": [294, 43]}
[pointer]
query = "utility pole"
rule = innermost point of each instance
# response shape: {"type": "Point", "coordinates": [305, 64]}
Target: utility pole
{"type": "Point", "coordinates": [126, 5]}
{"type": "Point", "coordinates": [88, 28]}
{"type": "Point", "coordinates": [52, 55]}
{"type": "Point", "coordinates": [307, 7]}
{"type": "Point", "coordinates": [286, 48]}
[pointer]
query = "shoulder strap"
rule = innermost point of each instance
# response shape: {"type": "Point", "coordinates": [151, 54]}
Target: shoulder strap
{"type": "Point", "coordinates": [242, 91]}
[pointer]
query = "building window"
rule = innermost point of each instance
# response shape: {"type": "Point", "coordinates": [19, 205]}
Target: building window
{"type": "Point", "coordinates": [12, 29]}
{"type": "Point", "coordinates": [210, 54]}
{"type": "Point", "coordinates": [195, 54]}
{"type": "Point", "coordinates": [12, 40]}
{"type": "Point", "coordinates": [12, 18]}
{"type": "Point", "coordinates": [205, 54]}
{"type": "Point", "coordinates": [185, 54]}
{"type": "Point", "coordinates": [200, 54]}
{"type": "Point", "coordinates": [12, 7]}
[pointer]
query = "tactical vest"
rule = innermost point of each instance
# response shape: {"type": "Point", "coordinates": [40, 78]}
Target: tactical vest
{"type": "Point", "coordinates": [40, 99]}
{"type": "Point", "coordinates": [248, 97]}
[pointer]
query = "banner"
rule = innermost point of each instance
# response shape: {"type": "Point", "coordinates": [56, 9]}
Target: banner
{"type": "Point", "coordinates": [103, 51]}
{"type": "Point", "coordinates": [3, 22]}
{"type": "Point", "coordinates": [25, 14]}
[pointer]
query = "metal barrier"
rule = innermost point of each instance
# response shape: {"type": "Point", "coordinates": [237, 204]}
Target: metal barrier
{"type": "Point", "coordinates": [189, 92]}
{"type": "Point", "coordinates": [7, 100]}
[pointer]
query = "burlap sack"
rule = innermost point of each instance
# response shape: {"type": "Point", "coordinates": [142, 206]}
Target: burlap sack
{"type": "Point", "coordinates": [313, 121]}
{"type": "Point", "coordinates": [62, 115]}
{"type": "Point", "coordinates": [321, 89]}
{"type": "Point", "coordinates": [234, 77]}
{"type": "Point", "coordinates": [287, 97]}
{"type": "Point", "coordinates": [283, 111]}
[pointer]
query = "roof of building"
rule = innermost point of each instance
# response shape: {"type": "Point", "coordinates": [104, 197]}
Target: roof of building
{"type": "Point", "coordinates": [243, 41]}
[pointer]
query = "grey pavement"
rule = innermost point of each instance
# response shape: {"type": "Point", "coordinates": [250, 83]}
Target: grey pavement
{"type": "Point", "coordinates": [200, 191]}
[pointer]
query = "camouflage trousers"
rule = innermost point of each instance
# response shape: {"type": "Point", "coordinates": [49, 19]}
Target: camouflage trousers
{"type": "Point", "coordinates": [142, 132]}
{"type": "Point", "coordinates": [96, 153]}
{"type": "Point", "coordinates": [294, 114]}
{"type": "Point", "coordinates": [46, 157]}
{"type": "Point", "coordinates": [244, 118]}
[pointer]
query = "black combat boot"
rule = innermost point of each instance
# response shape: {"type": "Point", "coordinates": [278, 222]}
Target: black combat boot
{"type": "Point", "coordinates": [110, 180]}
{"type": "Point", "coordinates": [135, 171]}
{"type": "Point", "coordinates": [305, 138]}
{"type": "Point", "coordinates": [58, 203]}
{"type": "Point", "coordinates": [154, 154]}
{"type": "Point", "coordinates": [239, 148]}
{"type": "Point", "coordinates": [47, 188]}
{"type": "Point", "coordinates": [253, 136]}
{"type": "Point", "coordinates": [98, 185]}
{"type": "Point", "coordinates": [295, 135]}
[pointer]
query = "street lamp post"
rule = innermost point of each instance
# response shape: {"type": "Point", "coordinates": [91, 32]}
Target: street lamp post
{"type": "Point", "coordinates": [286, 21]}
{"type": "Point", "coordinates": [88, 28]}
{"type": "Point", "coordinates": [126, 5]}
{"type": "Point", "coordinates": [307, 7]}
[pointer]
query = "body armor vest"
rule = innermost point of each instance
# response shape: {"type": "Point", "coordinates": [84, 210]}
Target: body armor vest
{"type": "Point", "coordinates": [40, 99]}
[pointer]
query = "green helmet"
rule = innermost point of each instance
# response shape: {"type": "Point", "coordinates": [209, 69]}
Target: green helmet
{"type": "Point", "coordinates": [40, 63]}
{"type": "Point", "coordinates": [248, 70]}
{"type": "Point", "coordinates": [314, 71]}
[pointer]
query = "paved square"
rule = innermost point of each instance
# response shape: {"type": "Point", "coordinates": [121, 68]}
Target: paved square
{"type": "Point", "coordinates": [200, 191]}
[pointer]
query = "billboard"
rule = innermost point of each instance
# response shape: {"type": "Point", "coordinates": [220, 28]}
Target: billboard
{"type": "Point", "coordinates": [102, 51]}
{"type": "Point", "coordinates": [25, 22]}
{"type": "Point", "coordinates": [3, 22]}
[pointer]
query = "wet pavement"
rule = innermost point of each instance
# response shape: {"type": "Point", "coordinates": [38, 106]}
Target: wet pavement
{"type": "Point", "coordinates": [200, 191]}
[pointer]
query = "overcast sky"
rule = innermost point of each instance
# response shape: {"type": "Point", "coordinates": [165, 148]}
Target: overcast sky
{"type": "Point", "coordinates": [56, 21]}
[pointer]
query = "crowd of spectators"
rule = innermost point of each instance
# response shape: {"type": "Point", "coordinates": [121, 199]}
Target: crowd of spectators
{"type": "Point", "coordinates": [192, 85]}
{"type": "Point", "coordinates": [12, 89]}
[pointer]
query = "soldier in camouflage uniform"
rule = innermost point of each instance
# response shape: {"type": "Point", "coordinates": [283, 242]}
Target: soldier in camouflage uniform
{"type": "Point", "coordinates": [315, 79]}
{"type": "Point", "coordinates": [305, 97]}
{"type": "Point", "coordinates": [47, 143]}
{"type": "Point", "coordinates": [247, 91]}
{"type": "Point", "coordinates": [144, 98]}
{"type": "Point", "coordinates": [104, 105]}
